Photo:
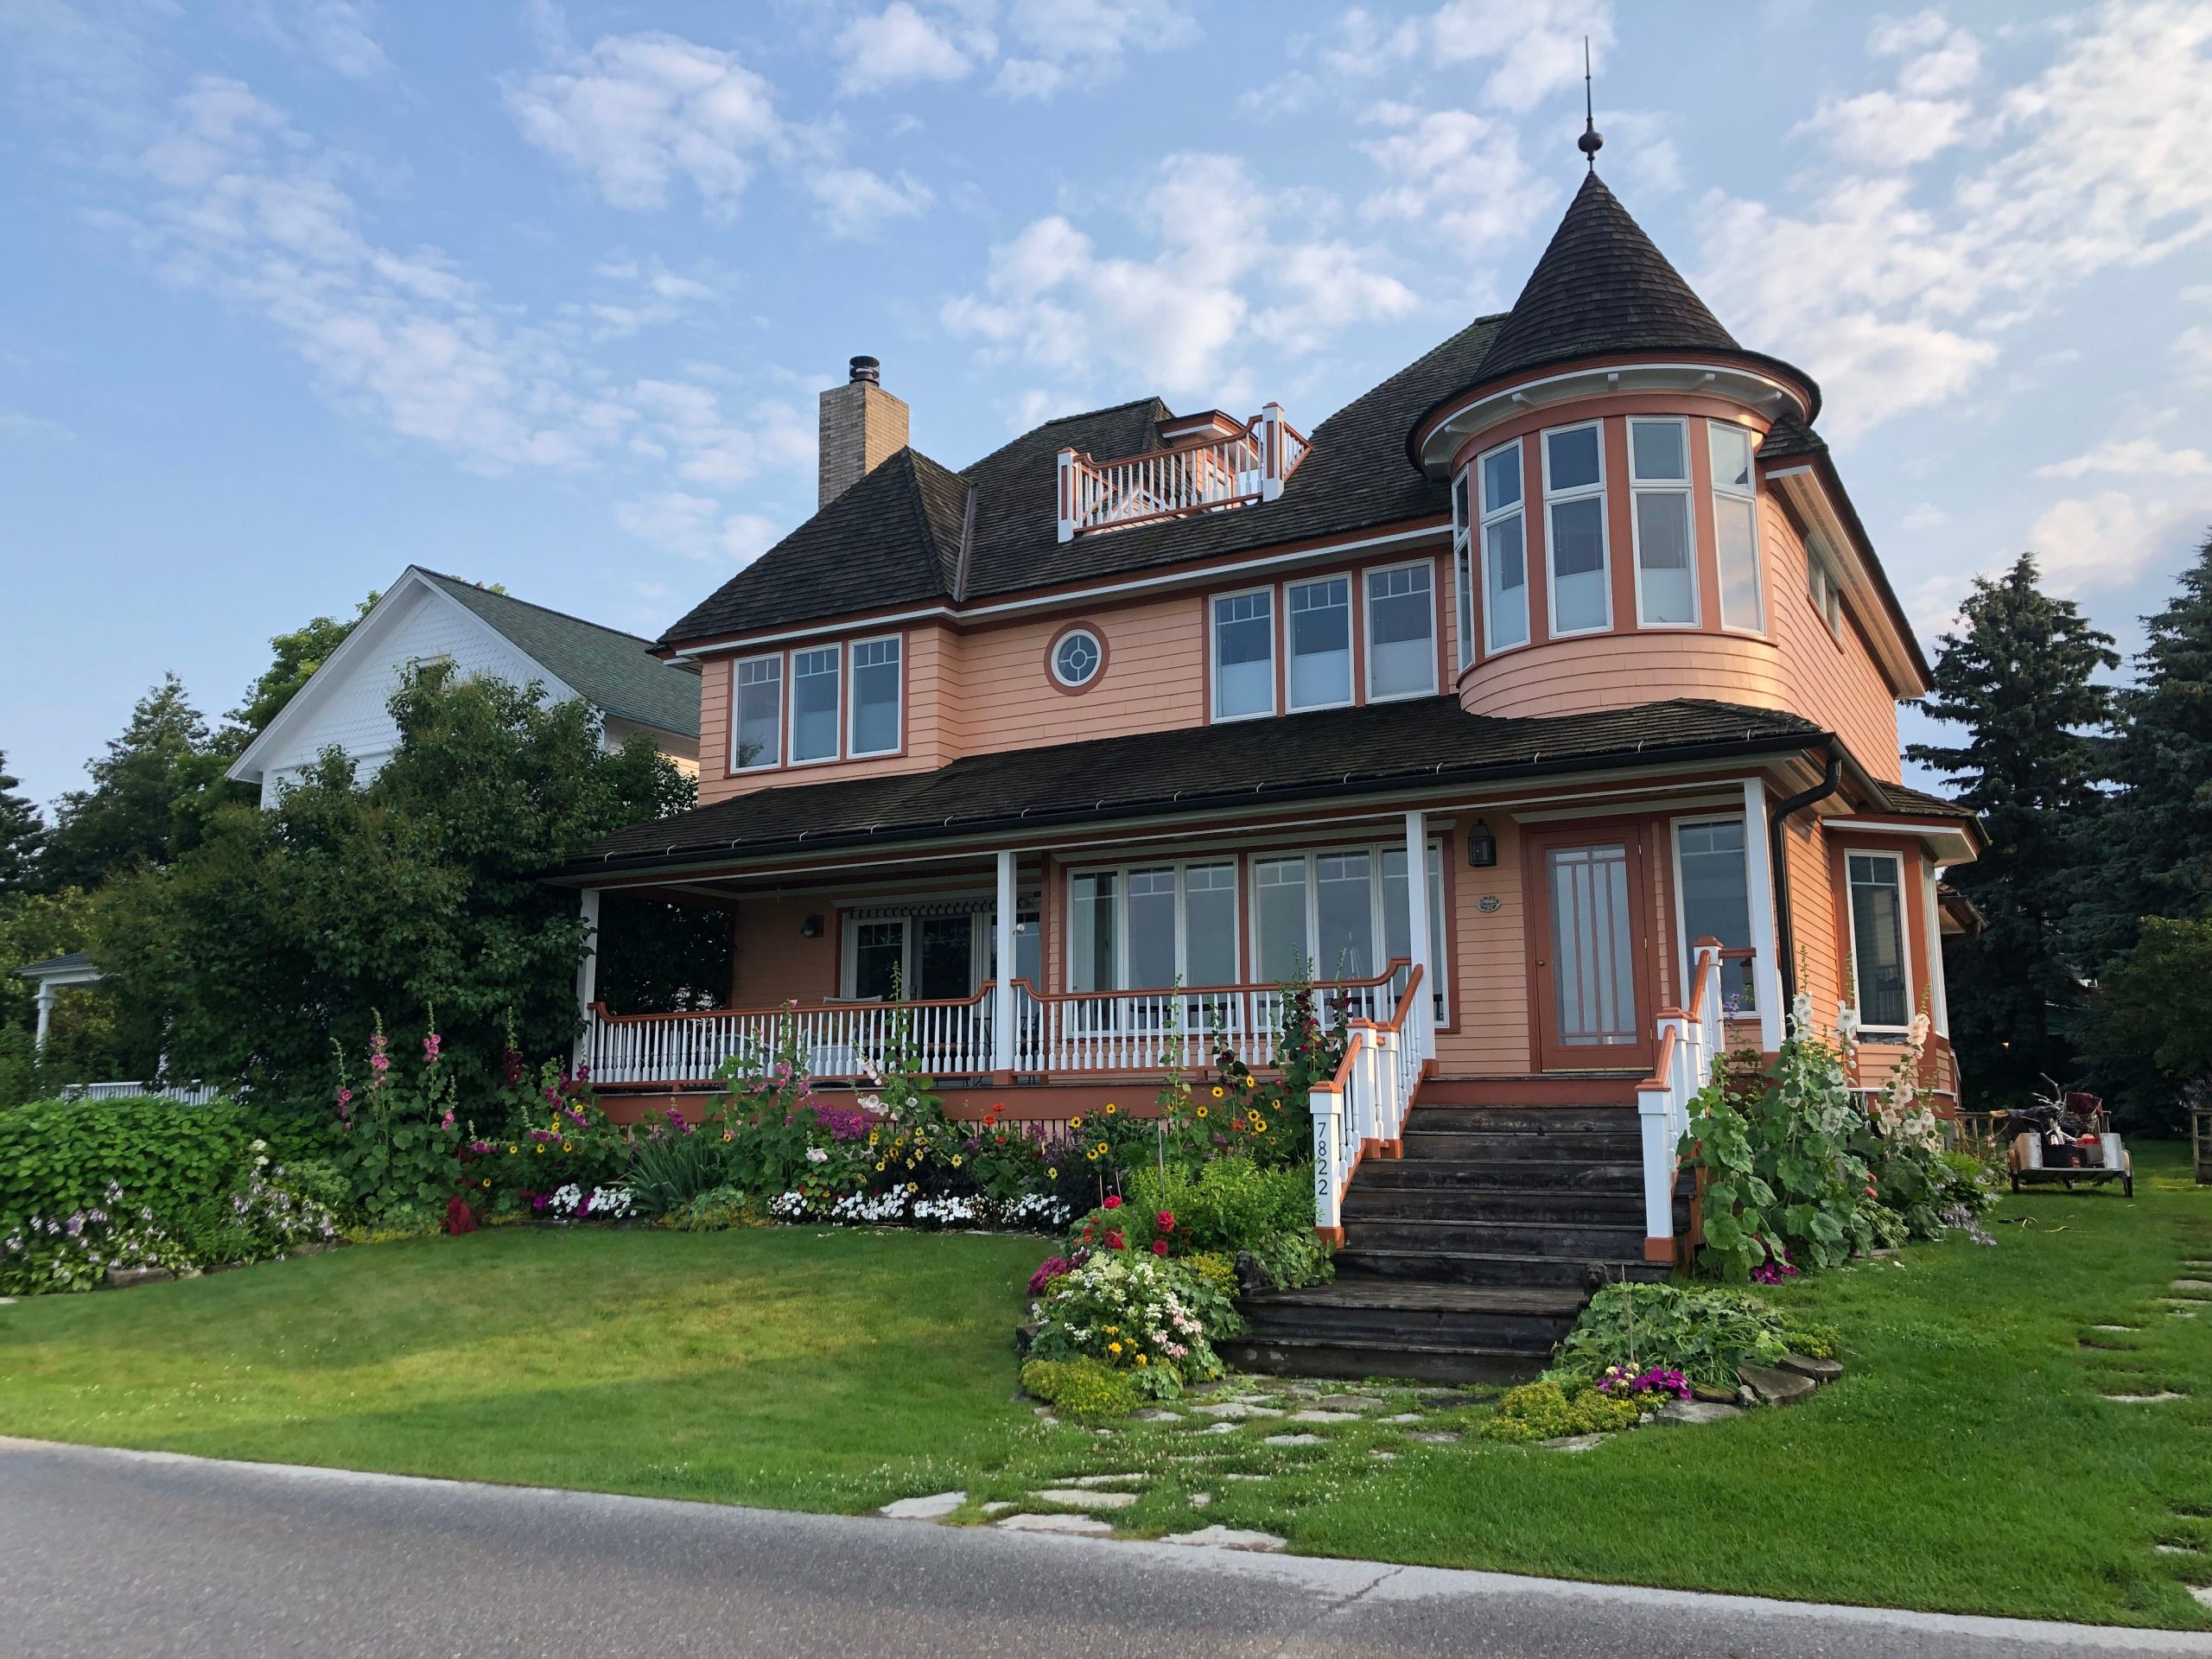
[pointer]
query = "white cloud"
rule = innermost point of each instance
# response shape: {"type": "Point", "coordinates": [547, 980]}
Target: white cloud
{"type": "Point", "coordinates": [684, 424]}
{"type": "Point", "coordinates": [337, 33]}
{"type": "Point", "coordinates": [1179, 322]}
{"type": "Point", "coordinates": [1457, 172]}
{"type": "Point", "coordinates": [13, 424]}
{"type": "Point", "coordinates": [1536, 45]}
{"type": "Point", "coordinates": [2110, 539]}
{"type": "Point", "coordinates": [1059, 43]}
{"type": "Point", "coordinates": [1884, 130]}
{"type": "Point", "coordinates": [857, 203]}
{"type": "Point", "coordinates": [1926, 516]}
{"type": "Point", "coordinates": [637, 112]}
{"type": "Point", "coordinates": [651, 295]}
{"type": "Point", "coordinates": [2132, 457]}
{"type": "Point", "coordinates": [2193, 346]}
{"type": "Point", "coordinates": [895, 46]}
{"type": "Point", "coordinates": [696, 526]}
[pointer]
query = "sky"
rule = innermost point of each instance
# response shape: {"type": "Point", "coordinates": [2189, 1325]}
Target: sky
{"type": "Point", "coordinates": [295, 294]}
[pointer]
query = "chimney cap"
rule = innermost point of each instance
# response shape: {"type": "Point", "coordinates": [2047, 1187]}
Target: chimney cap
{"type": "Point", "coordinates": [868, 369]}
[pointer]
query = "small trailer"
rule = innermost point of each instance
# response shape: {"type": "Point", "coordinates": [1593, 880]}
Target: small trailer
{"type": "Point", "coordinates": [2066, 1141]}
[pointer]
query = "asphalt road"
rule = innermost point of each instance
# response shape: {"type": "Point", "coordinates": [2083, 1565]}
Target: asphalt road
{"type": "Point", "coordinates": [128, 1553]}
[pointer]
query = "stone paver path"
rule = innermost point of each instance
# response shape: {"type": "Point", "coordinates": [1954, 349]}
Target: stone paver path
{"type": "Point", "coordinates": [2145, 1399]}
{"type": "Point", "coordinates": [1087, 1526]}
{"type": "Point", "coordinates": [1220, 1537]}
{"type": "Point", "coordinates": [1292, 1439]}
{"type": "Point", "coordinates": [933, 1507]}
{"type": "Point", "coordinates": [1085, 1497]}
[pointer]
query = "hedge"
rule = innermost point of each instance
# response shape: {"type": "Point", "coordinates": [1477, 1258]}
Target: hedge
{"type": "Point", "coordinates": [59, 1155]}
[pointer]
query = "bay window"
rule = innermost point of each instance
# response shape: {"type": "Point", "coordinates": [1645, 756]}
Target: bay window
{"type": "Point", "coordinates": [1659, 499]}
{"type": "Point", "coordinates": [1714, 901]}
{"type": "Point", "coordinates": [757, 719]}
{"type": "Point", "coordinates": [1463, 573]}
{"type": "Point", "coordinates": [1735, 527]}
{"type": "Point", "coordinates": [1575, 523]}
{"type": "Point", "coordinates": [1319, 673]}
{"type": "Point", "coordinates": [1877, 940]}
{"type": "Point", "coordinates": [814, 676]}
{"type": "Point", "coordinates": [1401, 631]}
{"type": "Point", "coordinates": [1244, 654]}
{"type": "Point", "coordinates": [1505, 550]}
{"type": "Point", "coordinates": [1150, 926]}
{"type": "Point", "coordinates": [875, 697]}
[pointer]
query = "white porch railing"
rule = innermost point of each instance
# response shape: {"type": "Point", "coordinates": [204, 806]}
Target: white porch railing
{"type": "Point", "coordinates": [185, 1094]}
{"type": "Point", "coordinates": [1689, 1044]}
{"type": "Point", "coordinates": [1365, 1105]}
{"type": "Point", "coordinates": [1056, 1032]}
{"type": "Point", "coordinates": [1173, 483]}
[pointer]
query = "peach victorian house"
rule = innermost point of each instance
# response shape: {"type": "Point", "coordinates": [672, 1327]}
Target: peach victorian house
{"type": "Point", "coordinates": [1540, 704]}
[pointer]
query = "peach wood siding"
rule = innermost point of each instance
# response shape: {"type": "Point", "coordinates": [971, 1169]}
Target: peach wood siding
{"type": "Point", "coordinates": [1834, 681]}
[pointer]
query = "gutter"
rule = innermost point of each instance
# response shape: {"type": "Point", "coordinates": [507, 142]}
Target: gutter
{"type": "Point", "coordinates": [1777, 823]}
{"type": "Point", "coordinates": [1348, 785]}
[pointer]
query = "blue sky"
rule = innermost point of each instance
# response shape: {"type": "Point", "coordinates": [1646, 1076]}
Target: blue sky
{"type": "Point", "coordinates": [296, 293]}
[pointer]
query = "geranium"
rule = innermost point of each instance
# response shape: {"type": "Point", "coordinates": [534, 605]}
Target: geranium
{"type": "Point", "coordinates": [1159, 1247]}
{"type": "Point", "coordinates": [1113, 1201]}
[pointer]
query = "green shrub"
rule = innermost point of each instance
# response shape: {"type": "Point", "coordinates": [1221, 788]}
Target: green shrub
{"type": "Point", "coordinates": [1226, 1204]}
{"type": "Point", "coordinates": [671, 1168]}
{"type": "Point", "coordinates": [717, 1209]}
{"type": "Point", "coordinates": [57, 1156]}
{"type": "Point", "coordinates": [1214, 1269]}
{"type": "Point", "coordinates": [1295, 1258]}
{"type": "Point", "coordinates": [1698, 1330]}
{"type": "Point", "coordinates": [1814, 1338]}
{"type": "Point", "coordinates": [1083, 1389]}
{"type": "Point", "coordinates": [1544, 1411]}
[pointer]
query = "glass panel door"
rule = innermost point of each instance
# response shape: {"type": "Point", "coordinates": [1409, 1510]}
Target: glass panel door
{"type": "Point", "coordinates": [879, 957]}
{"type": "Point", "coordinates": [946, 967]}
{"type": "Point", "coordinates": [1592, 944]}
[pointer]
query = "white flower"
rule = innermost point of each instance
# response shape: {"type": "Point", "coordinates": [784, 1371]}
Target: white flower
{"type": "Point", "coordinates": [818, 1156]}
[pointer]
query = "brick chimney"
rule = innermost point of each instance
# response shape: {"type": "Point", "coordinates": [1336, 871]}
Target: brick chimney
{"type": "Point", "coordinates": [862, 426]}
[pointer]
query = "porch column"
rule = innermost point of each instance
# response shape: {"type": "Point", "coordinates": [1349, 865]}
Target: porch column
{"type": "Point", "coordinates": [1002, 1012]}
{"type": "Point", "coordinates": [587, 974]}
{"type": "Point", "coordinates": [1758, 887]}
{"type": "Point", "coordinates": [1417, 928]}
{"type": "Point", "coordinates": [45, 996]}
{"type": "Point", "coordinates": [1939, 1002]}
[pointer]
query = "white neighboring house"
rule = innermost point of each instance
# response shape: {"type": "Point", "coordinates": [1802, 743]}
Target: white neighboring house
{"type": "Point", "coordinates": [425, 617]}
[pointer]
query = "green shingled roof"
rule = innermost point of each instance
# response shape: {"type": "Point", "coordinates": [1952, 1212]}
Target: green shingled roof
{"type": "Point", "coordinates": [615, 673]}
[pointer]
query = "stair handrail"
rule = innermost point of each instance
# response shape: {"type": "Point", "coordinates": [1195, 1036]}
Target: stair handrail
{"type": "Point", "coordinates": [1361, 1106]}
{"type": "Point", "coordinates": [1689, 1041]}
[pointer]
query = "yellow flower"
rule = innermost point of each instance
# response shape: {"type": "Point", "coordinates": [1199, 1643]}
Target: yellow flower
{"type": "Point", "coordinates": [911, 1187]}
{"type": "Point", "coordinates": [1102, 1148]}
{"type": "Point", "coordinates": [1092, 1155]}
{"type": "Point", "coordinates": [487, 1181]}
{"type": "Point", "coordinates": [956, 1160]}
{"type": "Point", "coordinates": [1202, 1111]}
{"type": "Point", "coordinates": [879, 1163]}
{"type": "Point", "coordinates": [1113, 1347]}
{"type": "Point", "coordinates": [729, 1134]}
{"type": "Point", "coordinates": [1259, 1126]}
{"type": "Point", "coordinates": [1074, 1123]}
{"type": "Point", "coordinates": [568, 1146]}
{"type": "Point", "coordinates": [1111, 1108]}
{"type": "Point", "coordinates": [1140, 1359]}
{"type": "Point", "coordinates": [872, 1137]}
{"type": "Point", "coordinates": [1113, 1329]}
{"type": "Point", "coordinates": [511, 1152]}
{"type": "Point", "coordinates": [1052, 1174]}
{"type": "Point", "coordinates": [541, 1149]}
{"type": "Point", "coordinates": [1217, 1091]}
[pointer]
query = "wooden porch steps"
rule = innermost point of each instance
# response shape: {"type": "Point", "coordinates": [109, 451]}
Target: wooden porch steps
{"type": "Point", "coordinates": [1468, 1259]}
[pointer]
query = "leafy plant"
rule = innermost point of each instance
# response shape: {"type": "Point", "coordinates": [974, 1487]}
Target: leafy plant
{"type": "Point", "coordinates": [1140, 1314]}
{"type": "Point", "coordinates": [1083, 1389]}
{"type": "Point", "coordinates": [401, 1137]}
{"type": "Point", "coordinates": [1545, 1411]}
{"type": "Point", "coordinates": [1698, 1330]}
{"type": "Point", "coordinates": [61, 1156]}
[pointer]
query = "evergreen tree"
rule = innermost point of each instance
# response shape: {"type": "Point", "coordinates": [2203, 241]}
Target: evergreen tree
{"type": "Point", "coordinates": [148, 801]}
{"type": "Point", "coordinates": [2021, 681]}
{"type": "Point", "coordinates": [22, 832]}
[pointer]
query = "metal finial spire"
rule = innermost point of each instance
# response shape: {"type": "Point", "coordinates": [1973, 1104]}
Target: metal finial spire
{"type": "Point", "coordinates": [1592, 140]}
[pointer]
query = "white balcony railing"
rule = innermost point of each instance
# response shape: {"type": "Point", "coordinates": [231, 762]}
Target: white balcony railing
{"type": "Point", "coordinates": [1210, 476]}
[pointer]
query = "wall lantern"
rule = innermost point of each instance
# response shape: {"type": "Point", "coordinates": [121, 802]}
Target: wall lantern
{"type": "Point", "coordinates": [1482, 845]}
{"type": "Point", "coordinates": [811, 928]}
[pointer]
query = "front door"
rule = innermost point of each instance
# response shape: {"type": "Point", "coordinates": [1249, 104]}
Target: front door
{"type": "Point", "coordinates": [1591, 952]}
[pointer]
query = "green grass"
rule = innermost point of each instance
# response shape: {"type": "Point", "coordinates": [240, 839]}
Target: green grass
{"type": "Point", "coordinates": [1965, 1462]}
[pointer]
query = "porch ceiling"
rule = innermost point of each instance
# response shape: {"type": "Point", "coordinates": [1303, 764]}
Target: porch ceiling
{"type": "Point", "coordinates": [1347, 752]}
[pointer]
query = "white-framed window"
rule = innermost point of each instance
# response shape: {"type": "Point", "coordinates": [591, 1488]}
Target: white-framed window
{"type": "Point", "coordinates": [1078, 655]}
{"type": "Point", "coordinates": [1736, 527]}
{"type": "Point", "coordinates": [1660, 521]}
{"type": "Point", "coordinates": [1574, 529]}
{"type": "Point", "coordinates": [1881, 975]}
{"type": "Point", "coordinates": [1401, 631]}
{"type": "Point", "coordinates": [1823, 589]}
{"type": "Point", "coordinates": [1318, 626]}
{"type": "Point", "coordinates": [815, 674]}
{"type": "Point", "coordinates": [876, 677]}
{"type": "Point", "coordinates": [932, 949]}
{"type": "Point", "coordinates": [1504, 533]}
{"type": "Point", "coordinates": [1339, 913]}
{"type": "Point", "coordinates": [756, 730]}
{"type": "Point", "coordinates": [1243, 630]}
{"type": "Point", "coordinates": [1463, 573]}
{"type": "Point", "coordinates": [1713, 898]}
{"type": "Point", "coordinates": [1143, 927]}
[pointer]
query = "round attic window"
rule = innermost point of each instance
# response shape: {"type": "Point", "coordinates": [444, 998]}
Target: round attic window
{"type": "Point", "coordinates": [1076, 657]}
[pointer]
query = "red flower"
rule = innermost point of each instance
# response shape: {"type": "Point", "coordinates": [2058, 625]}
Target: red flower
{"type": "Point", "coordinates": [1114, 1240]}
{"type": "Point", "coordinates": [1159, 1247]}
{"type": "Point", "coordinates": [1166, 1221]}
{"type": "Point", "coordinates": [1114, 1201]}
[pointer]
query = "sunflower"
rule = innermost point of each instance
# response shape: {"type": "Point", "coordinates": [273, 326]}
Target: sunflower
{"type": "Point", "coordinates": [1202, 1111]}
{"type": "Point", "coordinates": [1217, 1091]}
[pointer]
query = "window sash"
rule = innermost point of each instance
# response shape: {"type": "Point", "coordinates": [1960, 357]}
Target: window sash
{"type": "Point", "coordinates": [1577, 559]}
{"type": "Point", "coordinates": [816, 675]}
{"type": "Point", "coordinates": [1401, 631]}
{"type": "Point", "coordinates": [1319, 627]}
{"type": "Point", "coordinates": [1144, 927]}
{"type": "Point", "coordinates": [1666, 557]}
{"type": "Point", "coordinates": [876, 715]}
{"type": "Point", "coordinates": [756, 713]}
{"type": "Point", "coordinates": [1306, 915]}
{"type": "Point", "coordinates": [1881, 972]}
{"type": "Point", "coordinates": [1713, 900]}
{"type": "Point", "coordinates": [1733, 469]}
{"type": "Point", "coordinates": [1243, 633]}
{"type": "Point", "coordinates": [1463, 586]}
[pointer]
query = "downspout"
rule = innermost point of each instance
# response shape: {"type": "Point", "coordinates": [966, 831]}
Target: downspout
{"type": "Point", "coordinates": [1784, 936]}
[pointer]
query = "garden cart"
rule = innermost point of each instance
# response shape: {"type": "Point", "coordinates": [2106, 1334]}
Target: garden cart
{"type": "Point", "coordinates": [2066, 1140]}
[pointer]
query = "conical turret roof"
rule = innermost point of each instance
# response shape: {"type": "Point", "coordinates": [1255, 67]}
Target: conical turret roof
{"type": "Point", "coordinates": [1601, 286]}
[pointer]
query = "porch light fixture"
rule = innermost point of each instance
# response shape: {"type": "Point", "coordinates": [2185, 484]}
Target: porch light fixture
{"type": "Point", "coordinates": [811, 928]}
{"type": "Point", "coordinates": [1482, 845]}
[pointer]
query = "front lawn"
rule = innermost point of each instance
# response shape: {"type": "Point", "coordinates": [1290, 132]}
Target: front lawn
{"type": "Point", "coordinates": [1965, 1462]}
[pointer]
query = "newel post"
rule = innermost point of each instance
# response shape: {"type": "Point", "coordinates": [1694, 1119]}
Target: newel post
{"type": "Point", "coordinates": [587, 974]}
{"type": "Point", "coordinates": [1069, 478]}
{"type": "Point", "coordinates": [1423, 1022]}
{"type": "Point", "coordinates": [1002, 993]}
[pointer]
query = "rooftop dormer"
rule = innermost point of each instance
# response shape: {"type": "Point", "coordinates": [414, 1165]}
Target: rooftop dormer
{"type": "Point", "coordinates": [1208, 462]}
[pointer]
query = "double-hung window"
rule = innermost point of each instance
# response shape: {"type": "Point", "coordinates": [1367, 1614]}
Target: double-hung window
{"type": "Point", "coordinates": [1505, 550]}
{"type": "Point", "coordinates": [1666, 553]}
{"type": "Point", "coordinates": [1574, 526]}
{"type": "Point", "coordinates": [1319, 674]}
{"type": "Point", "coordinates": [875, 697]}
{"type": "Point", "coordinates": [1338, 913]}
{"type": "Point", "coordinates": [1736, 527]}
{"type": "Point", "coordinates": [814, 703]}
{"type": "Point", "coordinates": [1821, 588]}
{"type": "Point", "coordinates": [1244, 654]}
{"type": "Point", "coordinates": [1150, 926]}
{"type": "Point", "coordinates": [1715, 901]}
{"type": "Point", "coordinates": [757, 722]}
{"type": "Point", "coordinates": [1401, 631]}
{"type": "Point", "coordinates": [1877, 942]}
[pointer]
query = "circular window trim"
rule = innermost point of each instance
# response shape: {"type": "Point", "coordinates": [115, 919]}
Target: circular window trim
{"type": "Point", "coordinates": [1053, 659]}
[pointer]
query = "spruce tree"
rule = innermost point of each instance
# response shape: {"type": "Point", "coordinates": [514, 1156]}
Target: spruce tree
{"type": "Point", "coordinates": [147, 799]}
{"type": "Point", "coordinates": [2020, 680]}
{"type": "Point", "coordinates": [21, 835]}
